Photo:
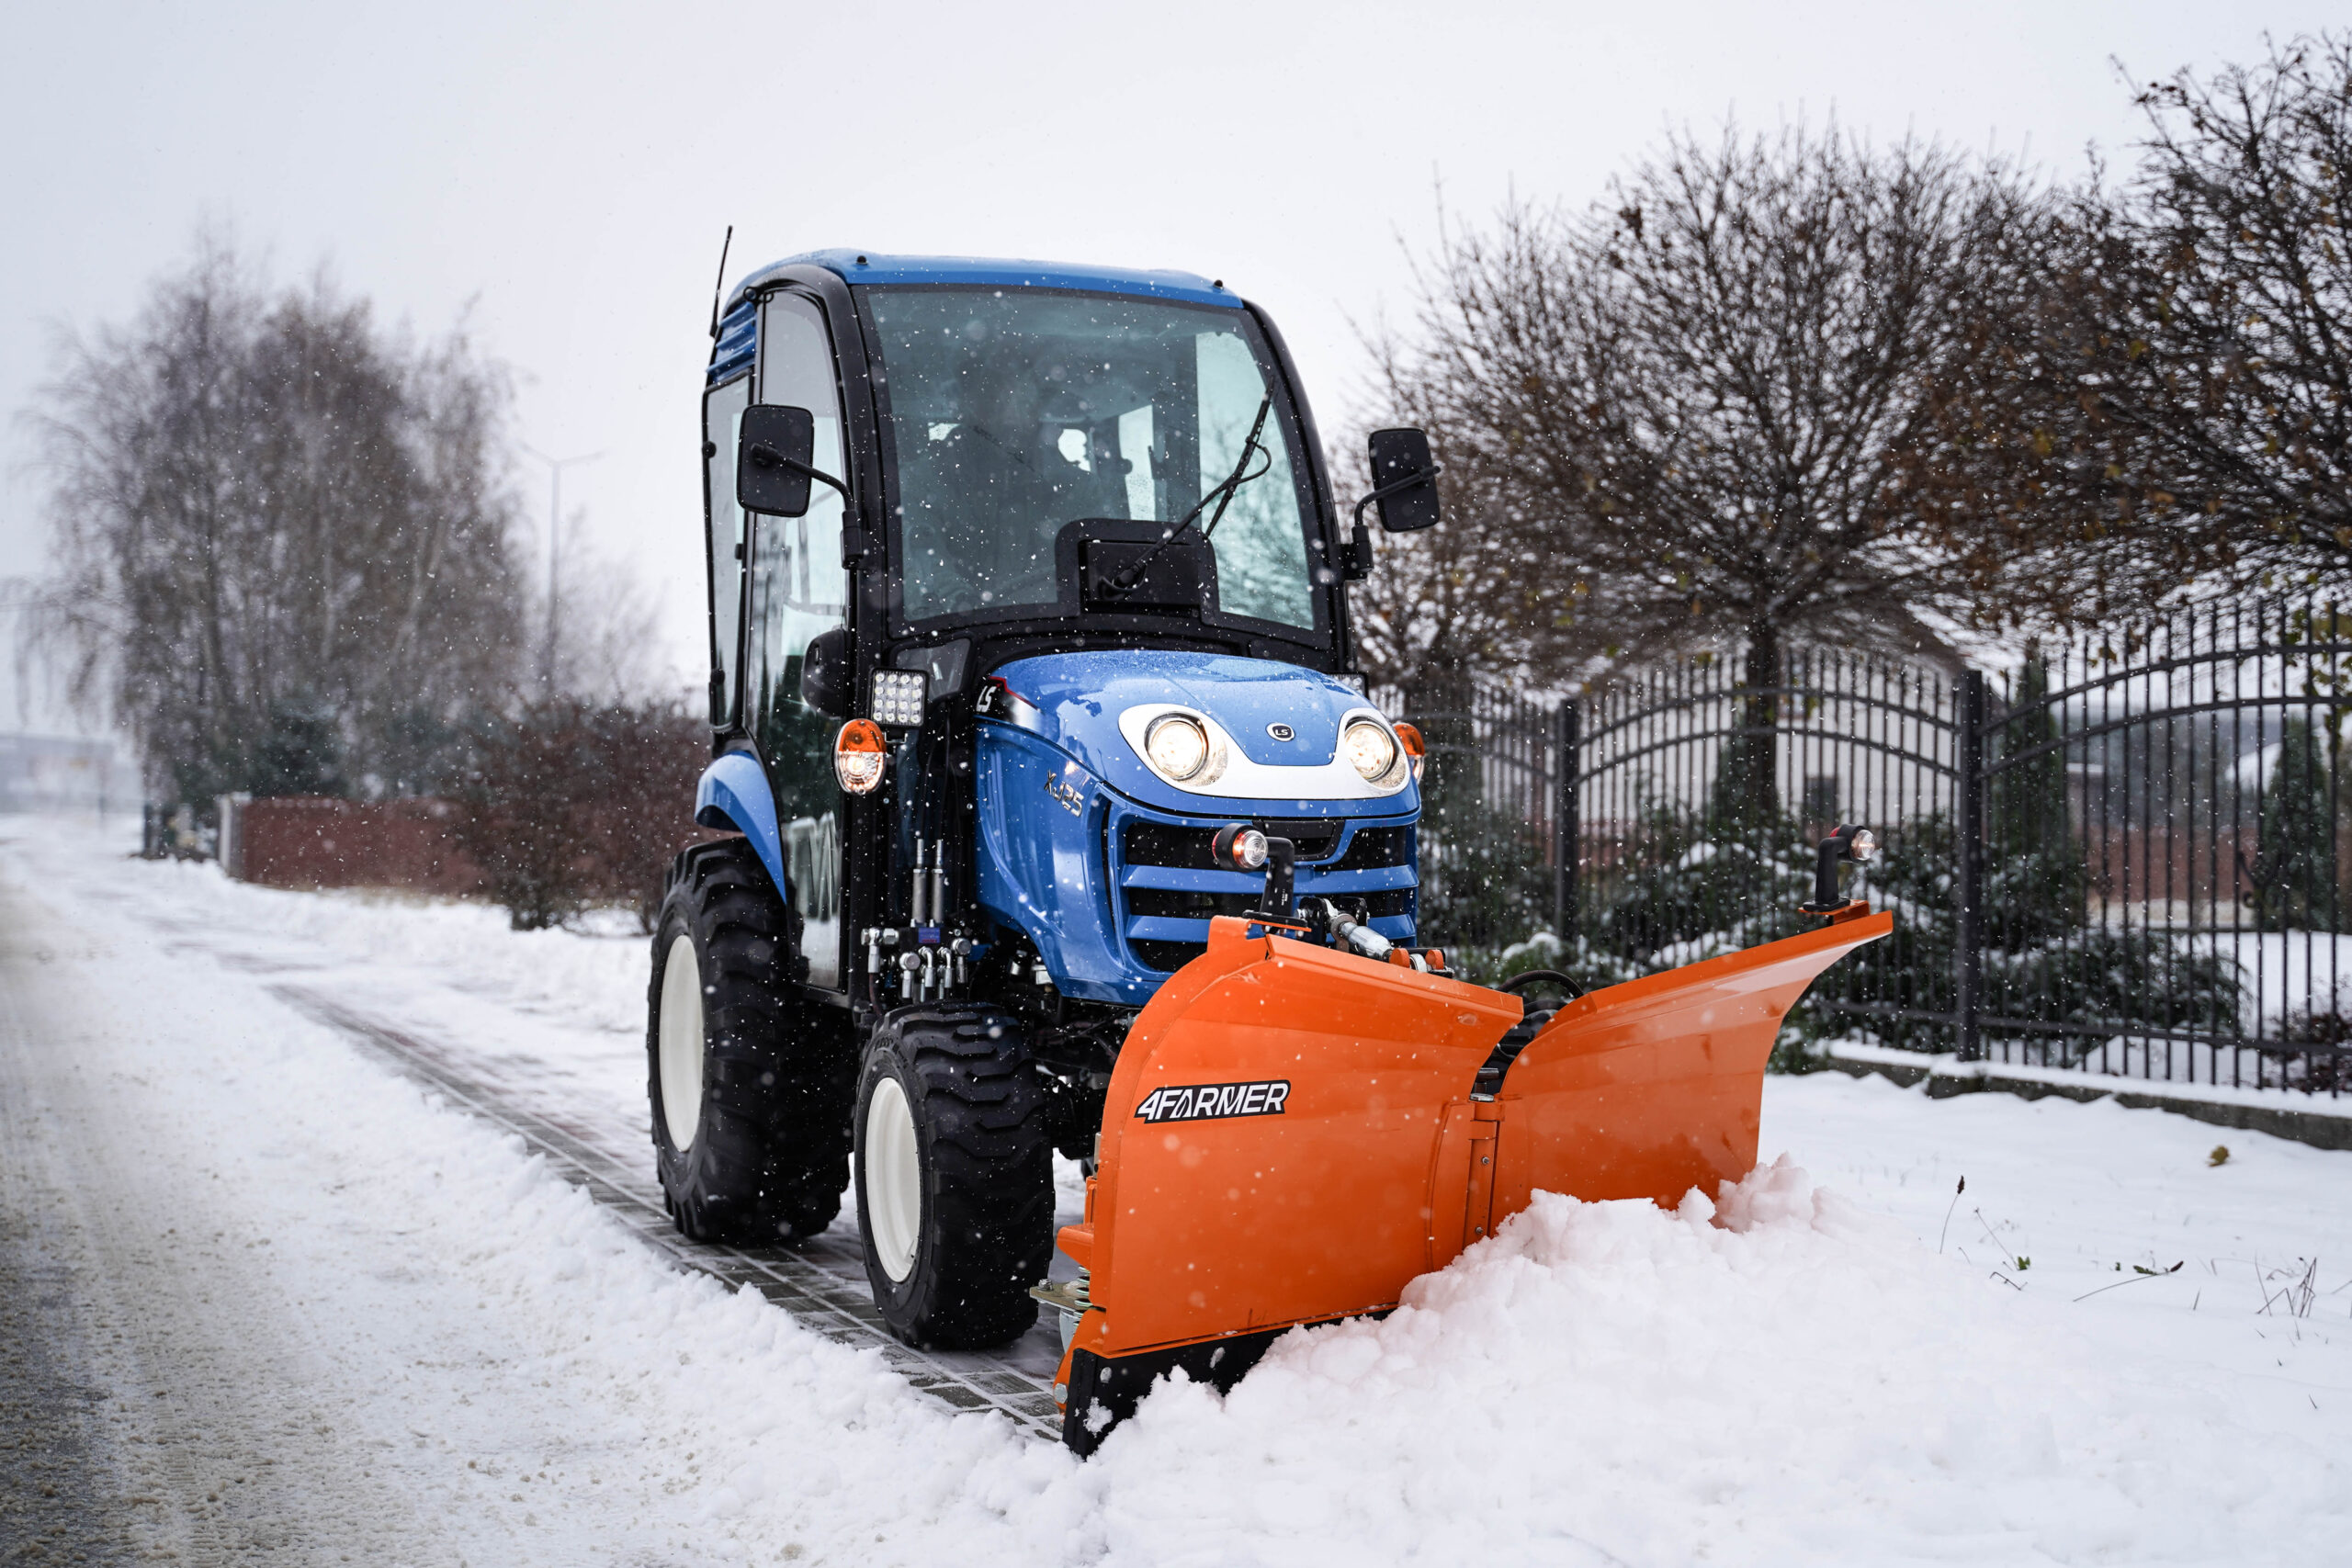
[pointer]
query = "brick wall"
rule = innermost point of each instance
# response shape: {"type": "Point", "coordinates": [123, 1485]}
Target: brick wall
{"type": "Point", "coordinates": [319, 841]}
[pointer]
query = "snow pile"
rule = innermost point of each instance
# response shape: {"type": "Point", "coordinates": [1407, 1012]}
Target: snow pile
{"type": "Point", "coordinates": [1780, 1379]}
{"type": "Point", "coordinates": [595, 975]}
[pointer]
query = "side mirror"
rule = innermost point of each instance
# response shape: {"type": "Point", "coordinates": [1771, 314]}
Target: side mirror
{"type": "Point", "coordinates": [1404, 480]}
{"type": "Point", "coordinates": [825, 680]}
{"type": "Point", "coordinates": [771, 463]}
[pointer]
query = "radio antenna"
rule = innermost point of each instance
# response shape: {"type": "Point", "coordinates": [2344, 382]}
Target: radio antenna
{"type": "Point", "coordinates": [719, 288]}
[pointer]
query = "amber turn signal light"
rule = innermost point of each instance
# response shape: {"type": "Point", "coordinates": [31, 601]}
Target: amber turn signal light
{"type": "Point", "coordinates": [1414, 746]}
{"type": "Point", "coordinates": [859, 754]}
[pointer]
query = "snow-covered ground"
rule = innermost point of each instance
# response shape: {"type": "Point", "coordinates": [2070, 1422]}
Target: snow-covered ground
{"type": "Point", "coordinates": [339, 1316]}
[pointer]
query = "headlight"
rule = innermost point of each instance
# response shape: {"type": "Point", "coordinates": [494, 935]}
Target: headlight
{"type": "Point", "coordinates": [1177, 746]}
{"type": "Point", "coordinates": [1369, 748]}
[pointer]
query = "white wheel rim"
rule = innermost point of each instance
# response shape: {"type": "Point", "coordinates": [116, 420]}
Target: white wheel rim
{"type": "Point", "coordinates": [893, 1171]}
{"type": "Point", "coordinates": [681, 1043]}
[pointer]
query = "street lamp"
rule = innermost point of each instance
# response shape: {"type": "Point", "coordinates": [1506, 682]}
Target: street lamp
{"type": "Point", "coordinates": [555, 523]}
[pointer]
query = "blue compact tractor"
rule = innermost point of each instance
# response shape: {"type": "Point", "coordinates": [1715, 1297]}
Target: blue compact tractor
{"type": "Point", "coordinates": [1030, 656]}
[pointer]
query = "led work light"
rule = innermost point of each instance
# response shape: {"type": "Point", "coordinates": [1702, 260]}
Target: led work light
{"type": "Point", "coordinates": [897, 696]}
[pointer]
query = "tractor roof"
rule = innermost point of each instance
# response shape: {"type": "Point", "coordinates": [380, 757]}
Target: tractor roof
{"type": "Point", "coordinates": [871, 266]}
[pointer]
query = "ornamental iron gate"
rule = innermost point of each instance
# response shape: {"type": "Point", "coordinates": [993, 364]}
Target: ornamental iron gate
{"type": "Point", "coordinates": [2126, 854]}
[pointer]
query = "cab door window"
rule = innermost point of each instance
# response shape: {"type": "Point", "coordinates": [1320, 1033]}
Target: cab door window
{"type": "Point", "coordinates": [799, 588]}
{"type": "Point", "coordinates": [722, 413]}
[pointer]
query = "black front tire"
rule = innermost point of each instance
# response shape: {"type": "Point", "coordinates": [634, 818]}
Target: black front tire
{"type": "Point", "coordinates": [963, 1185]}
{"type": "Point", "coordinates": [762, 1157]}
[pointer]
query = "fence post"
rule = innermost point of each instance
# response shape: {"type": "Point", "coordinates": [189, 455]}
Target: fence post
{"type": "Point", "coordinates": [1968, 811]}
{"type": "Point", "coordinates": [1567, 731]}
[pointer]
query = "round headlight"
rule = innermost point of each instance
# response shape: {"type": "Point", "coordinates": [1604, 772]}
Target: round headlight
{"type": "Point", "coordinates": [1369, 748]}
{"type": "Point", "coordinates": [1177, 746]}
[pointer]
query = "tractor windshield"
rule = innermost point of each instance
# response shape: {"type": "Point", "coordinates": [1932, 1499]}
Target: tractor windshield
{"type": "Point", "coordinates": [1016, 411]}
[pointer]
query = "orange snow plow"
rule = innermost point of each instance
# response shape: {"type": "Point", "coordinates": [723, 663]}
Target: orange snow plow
{"type": "Point", "coordinates": [1293, 1132]}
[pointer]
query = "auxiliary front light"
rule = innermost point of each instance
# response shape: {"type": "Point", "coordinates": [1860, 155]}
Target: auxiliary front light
{"type": "Point", "coordinates": [897, 696]}
{"type": "Point", "coordinates": [1240, 846]}
{"type": "Point", "coordinates": [1177, 746]}
{"type": "Point", "coordinates": [859, 754]}
{"type": "Point", "coordinates": [1369, 748]}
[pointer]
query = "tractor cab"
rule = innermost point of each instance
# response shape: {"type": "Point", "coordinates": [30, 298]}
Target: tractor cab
{"type": "Point", "coordinates": [1062, 538]}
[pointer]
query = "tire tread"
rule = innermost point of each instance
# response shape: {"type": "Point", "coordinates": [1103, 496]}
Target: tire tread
{"type": "Point", "coordinates": [771, 1157]}
{"type": "Point", "coordinates": [990, 1185]}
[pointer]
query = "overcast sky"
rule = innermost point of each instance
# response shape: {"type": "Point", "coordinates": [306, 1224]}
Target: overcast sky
{"type": "Point", "coordinates": [565, 172]}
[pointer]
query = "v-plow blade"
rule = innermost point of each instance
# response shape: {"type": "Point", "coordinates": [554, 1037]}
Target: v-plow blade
{"type": "Point", "coordinates": [1293, 1132]}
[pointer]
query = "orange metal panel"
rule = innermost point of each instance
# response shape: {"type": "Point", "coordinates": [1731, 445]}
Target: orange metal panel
{"type": "Point", "coordinates": [1313, 1201]}
{"type": "Point", "coordinates": [1650, 1089]}
{"type": "Point", "coordinates": [1450, 1172]}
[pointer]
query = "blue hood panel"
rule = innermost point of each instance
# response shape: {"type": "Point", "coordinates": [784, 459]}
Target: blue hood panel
{"type": "Point", "coordinates": [1080, 696]}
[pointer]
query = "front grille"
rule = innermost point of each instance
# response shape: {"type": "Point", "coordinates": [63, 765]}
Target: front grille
{"type": "Point", "coordinates": [1159, 923]}
{"type": "Point", "coordinates": [1168, 956]}
{"type": "Point", "coordinates": [1183, 904]}
{"type": "Point", "coordinates": [1172, 844]}
{"type": "Point", "coordinates": [1373, 848]}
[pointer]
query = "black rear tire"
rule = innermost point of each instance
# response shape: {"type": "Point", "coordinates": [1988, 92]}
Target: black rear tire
{"type": "Point", "coordinates": [981, 1163]}
{"type": "Point", "coordinates": [762, 1158]}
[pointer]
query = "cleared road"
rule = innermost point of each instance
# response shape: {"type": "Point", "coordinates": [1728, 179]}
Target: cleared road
{"type": "Point", "coordinates": [262, 1303]}
{"type": "Point", "coordinates": [169, 1389]}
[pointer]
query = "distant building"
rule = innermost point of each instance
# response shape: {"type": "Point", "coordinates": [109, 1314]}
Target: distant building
{"type": "Point", "coordinates": [57, 773]}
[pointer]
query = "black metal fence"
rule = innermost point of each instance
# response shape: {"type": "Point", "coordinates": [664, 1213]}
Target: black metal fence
{"type": "Point", "coordinates": [2130, 853]}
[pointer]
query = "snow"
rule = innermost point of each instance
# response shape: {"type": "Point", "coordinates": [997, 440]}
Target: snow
{"type": "Point", "coordinates": [2285, 973]}
{"type": "Point", "coordinates": [442, 1344]}
{"type": "Point", "coordinates": [1948, 1064]}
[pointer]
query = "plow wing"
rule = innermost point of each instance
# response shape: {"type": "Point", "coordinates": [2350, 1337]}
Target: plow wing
{"type": "Point", "coordinates": [1291, 1134]}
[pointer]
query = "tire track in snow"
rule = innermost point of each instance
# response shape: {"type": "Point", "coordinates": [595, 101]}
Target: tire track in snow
{"type": "Point", "coordinates": [800, 1284]}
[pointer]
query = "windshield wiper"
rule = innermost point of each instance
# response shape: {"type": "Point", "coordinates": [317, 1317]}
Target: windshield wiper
{"type": "Point", "coordinates": [1222, 494]}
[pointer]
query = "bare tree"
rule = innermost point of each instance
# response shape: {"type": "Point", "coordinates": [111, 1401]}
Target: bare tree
{"type": "Point", "coordinates": [608, 647]}
{"type": "Point", "coordinates": [2177, 407]}
{"type": "Point", "coordinates": [1683, 415]}
{"type": "Point", "coordinates": [281, 535]}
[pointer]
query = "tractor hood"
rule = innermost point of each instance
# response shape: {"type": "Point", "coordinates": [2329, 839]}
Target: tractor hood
{"type": "Point", "coordinates": [1095, 705]}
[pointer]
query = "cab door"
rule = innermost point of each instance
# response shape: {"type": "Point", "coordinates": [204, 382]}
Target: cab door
{"type": "Point", "coordinates": [724, 532]}
{"type": "Point", "coordinates": [798, 589]}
